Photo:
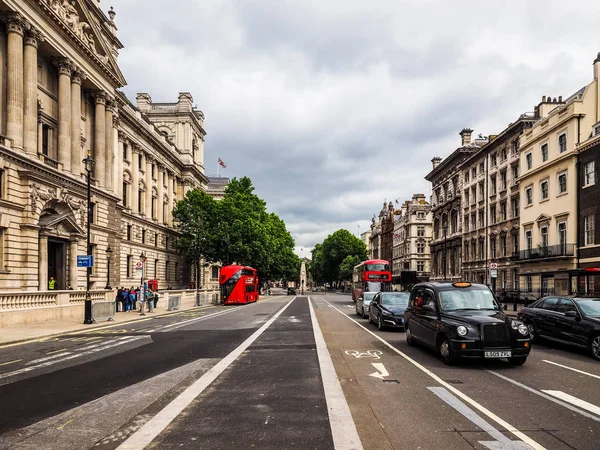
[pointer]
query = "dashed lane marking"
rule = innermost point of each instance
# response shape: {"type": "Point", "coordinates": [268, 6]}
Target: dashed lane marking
{"type": "Point", "coordinates": [56, 351]}
{"type": "Point", "coordinates": [575, 401]}
{"type": "Point", "coordinates": [547, 397]}
{"type": "Point", "coordinates": [48, 358]}
{"type": "Point", "coordinates": [571, 368]}
{"type": "Point", "coordinates": [158, 423]}
{"type": "Point", "coordinates": [522, 436]}
{"type": "Point", "coordinates": [10, 362]}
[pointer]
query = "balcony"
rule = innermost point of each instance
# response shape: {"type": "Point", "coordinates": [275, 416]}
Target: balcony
{"type": "Point", "coordinates": [551, 251]}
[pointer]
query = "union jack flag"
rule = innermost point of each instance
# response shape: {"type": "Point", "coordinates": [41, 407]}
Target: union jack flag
{"type": "Point", "coordinates": [221, 163]}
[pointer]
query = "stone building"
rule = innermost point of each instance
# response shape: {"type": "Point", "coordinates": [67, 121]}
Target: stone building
{"type": "Point", "coordinates": [446, 208]}
{"type": "Point", "coordinates": [216, 186]}
{"type": "Point", "coordinates": [549, 253]}
{"type": "Point", "coordinates": [59, 102]}
{"type": "Point", "coordinates": [490, 204]}
{"type": "Point", "coordinates": [382, 231]}
{"type": "Point", "coordinates": [413, 230]}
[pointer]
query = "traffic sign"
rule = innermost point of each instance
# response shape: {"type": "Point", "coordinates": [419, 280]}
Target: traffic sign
{"type": "Point", "coordinates": [493, 265]}
{"type": "Point", "coordinates": [494, 273]}
{"type": "Point", "coordinates": [85, 260]}
{"type": "Point", "coordinates": [139, 265]}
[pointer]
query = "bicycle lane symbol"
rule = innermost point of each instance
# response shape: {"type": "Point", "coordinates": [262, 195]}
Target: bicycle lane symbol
{"type": "Point", "coordinates": [375, 354]}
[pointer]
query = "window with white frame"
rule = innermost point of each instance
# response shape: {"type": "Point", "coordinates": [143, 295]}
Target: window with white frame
{"type": "Point", "coordinates": [562, 143]}
{"type": "Point", "coordinates": [529, 195]}
{"type": "Point", "coordinates": [544, 189]}
{"type": "Point", "coordinates": [562, 182]}
{"type": "Point", "coordinates": [589, 225]}
{"type": "Point", "coordinates": [529, 160]}
{"type": "Point", "coordinates": [421, 230]}
{"type": "Point", "coordinates": [421, 247]}
{"type": "Point", "coordinates": [589, 175]}
{"type": "Point", "coordinates": [529, 239]}
{"type": "Point", "coordinates": [562, 233]}
{"type": "Point", "coordinates": [544, 152]}
{"type": "Point", "coordinates": [544, 236]}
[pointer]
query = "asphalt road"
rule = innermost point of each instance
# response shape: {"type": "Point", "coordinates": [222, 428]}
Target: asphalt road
{"type": "Point", "coordinates": [262, 376]}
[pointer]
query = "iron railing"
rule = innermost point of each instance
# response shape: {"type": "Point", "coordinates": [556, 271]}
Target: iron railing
{"type": "Point", "coordinates": [549, 251]}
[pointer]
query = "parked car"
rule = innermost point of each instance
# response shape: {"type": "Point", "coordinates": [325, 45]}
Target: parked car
{"type": "Point", "coordinates": [571, 320]}
{"type": "Point", "coordinates": [464, 320]}
{"type": "Point", "coordinates": [363, 302]}
{"type": "Point", "coordinates": [387, 309]}
{"type": "Point", "coordinates": [291, 291]}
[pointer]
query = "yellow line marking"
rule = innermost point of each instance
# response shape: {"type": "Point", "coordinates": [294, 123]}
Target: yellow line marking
{"type": "Point", "coordinates": [10, 362]}
{"type": "Point", "coordinates": [56, 351]}
{"type": "Point", "coordinates": [65, 424]}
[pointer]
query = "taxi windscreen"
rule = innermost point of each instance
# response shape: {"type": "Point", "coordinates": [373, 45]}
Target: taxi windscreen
{"type": "Point", "coordinates": [467, 300]}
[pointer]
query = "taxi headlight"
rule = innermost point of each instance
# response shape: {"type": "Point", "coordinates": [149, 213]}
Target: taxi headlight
{"type": "Point", "coordinates": [523, 329]}
{"type": "Point", "coordinates": [462, 330]}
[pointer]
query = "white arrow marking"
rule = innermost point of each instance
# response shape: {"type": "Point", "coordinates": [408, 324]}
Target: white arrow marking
{"type": "Point", "coordinates": [381, 371]}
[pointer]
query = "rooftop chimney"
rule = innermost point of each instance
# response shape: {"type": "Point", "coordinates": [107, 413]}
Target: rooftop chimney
{"type": "Point", "coordinates": [436, 161]}
{"type": "Point", "coordinates": [465, 135]}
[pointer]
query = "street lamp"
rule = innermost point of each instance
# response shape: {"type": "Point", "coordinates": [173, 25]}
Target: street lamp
{"type": "Point", "coordinates": [109, 252]}
{"type": "Point", "coordinates": [143, 259]}
{"type": "Point", "coordinates": [88, 163]}
{"type": "Point", "coordinates": [445, 228]}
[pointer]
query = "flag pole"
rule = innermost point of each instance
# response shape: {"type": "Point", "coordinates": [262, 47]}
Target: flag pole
{"type": "Point", "coordinates": [217, 167]}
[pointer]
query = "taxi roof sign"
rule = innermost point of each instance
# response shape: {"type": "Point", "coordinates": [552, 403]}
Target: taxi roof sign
{"type": "Point", "coordinates": [461, 284]}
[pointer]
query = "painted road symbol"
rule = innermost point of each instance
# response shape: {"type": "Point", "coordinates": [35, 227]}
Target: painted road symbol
{"type": "Point", "coordinates": [375, 354]}
{"type": "Point", "coordinates": [381, 371]}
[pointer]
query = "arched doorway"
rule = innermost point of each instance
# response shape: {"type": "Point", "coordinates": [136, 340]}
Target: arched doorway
{"type": "Point", "coordinates": [58, 246]}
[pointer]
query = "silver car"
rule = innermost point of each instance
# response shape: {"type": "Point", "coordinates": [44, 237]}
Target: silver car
{"type": "Point", "coordinates": [363, 302]}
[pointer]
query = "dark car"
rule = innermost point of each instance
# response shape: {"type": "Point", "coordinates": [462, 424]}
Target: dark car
{"type": "Point", "coordinates": [387, 309]}
{"type": "Point", "coordinates": [363, 302]}
{"type": "Point", "coordinates": [291, 291]}
{"type": "Point", "coordinates": [571, 320]}
{"type": "Point", "coordinates": [464, 320]}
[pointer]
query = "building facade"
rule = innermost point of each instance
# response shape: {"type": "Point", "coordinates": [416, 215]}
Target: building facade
{"type": "Point", "coordinates": [446, 208]}
{"type": "Point", "coordinates": [413, 230]}
{"type": "Point", "coordinates": [549, 191]}
{"type": "Point", "coordinates": [59, 102]}
{"type": "Point", "coordinates": [490, 204]}
{"type": "Point", "coordinates": [382, 230]}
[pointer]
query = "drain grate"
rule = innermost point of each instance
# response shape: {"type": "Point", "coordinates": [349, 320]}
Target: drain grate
{"type": "Point", "coordinates": [454, 381]}
{"type": "Point", "coordinates": [391, 381]}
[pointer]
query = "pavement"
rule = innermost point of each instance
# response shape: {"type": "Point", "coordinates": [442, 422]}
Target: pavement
{"type": "Point", "coordinates": [286, 372]}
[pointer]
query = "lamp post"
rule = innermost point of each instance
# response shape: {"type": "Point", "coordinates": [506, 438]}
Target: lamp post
{"type": "Point", "coordinates": [143, 259]}
{"type": "Point", "coordinates": [89, 167]}
{"type": "Point", "coordinates": [109, 253]}
{"type": "Point", "coordinates": [445, 228]}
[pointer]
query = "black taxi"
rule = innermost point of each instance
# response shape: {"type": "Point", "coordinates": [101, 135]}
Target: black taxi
{"type": "Point", "coordinates": [464, 320]}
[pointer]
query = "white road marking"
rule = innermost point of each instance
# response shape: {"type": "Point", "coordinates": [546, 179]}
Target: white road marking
{"type": "Point", "coordinates": [343, 430]}
{"type": "Point", "coordinates": [375, 354]}
{"type": "Point", "coordinates": [547, 397]}
{"type": "Point", "coordinates": [522, 436]}
{"type": "Point", "coordinates": [571, 368]}
{"type": "Point", "coordinates": [381, 371]}
{"type": "Point", "coordinates": [145, 435]}
{"type": "Point", "coordinates": [48, 358]}
{"type": "Point", "coordinates": [502, 442]}
{"type": "Point", "coordinates": [575, 401]}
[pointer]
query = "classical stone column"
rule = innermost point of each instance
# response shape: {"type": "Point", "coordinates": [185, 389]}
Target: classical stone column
{"type": "Point", "coordinates": [149, 162]}
{"type": "Point", "coordinates": [161, 194]}
{"type": "Point", "coordinates": [172, 197]}
{"type": "Point", "coordinates": [119, 174]}
{"type": "Point", "coordinates": [100, 138]}
{"type": "Point", "coordinates": [15, 24]}
{"type": "Point", "coordinates": [135, 177]}
{"type": "Point", "coordinates": [30, 111]}
{"type": "Point", "coordinates": [76, 153]}
{"type": "Point", "coordinates": [73, 263]}
{"type": "Point", "coordinates": [43, 263]}
{"type": "Point", "coordinates": [65, 68]}
{"type": "Point", "coordinates": [169, 197]}
{"type": "Point", "coordinates": [110, 146]}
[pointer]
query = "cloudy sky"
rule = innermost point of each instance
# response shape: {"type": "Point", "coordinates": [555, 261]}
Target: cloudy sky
{"type": "Point", "coordinates": [332, 106]}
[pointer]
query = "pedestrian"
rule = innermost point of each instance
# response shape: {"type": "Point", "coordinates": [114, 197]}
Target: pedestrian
{"type": "Point", "coordinates": [51, 283]}
{"type": "Point", "coordinates": [133, 299]}
{"type": "Point", "coordinates": [156, 297]}
{"type": "Point", "coordinates": [118, 298]}
{"type": "Point", "coordinates": [149, 298]}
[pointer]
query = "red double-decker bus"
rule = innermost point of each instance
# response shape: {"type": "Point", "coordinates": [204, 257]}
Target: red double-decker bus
{"type": "Point", "coordinates": [373, 275]}
{"type": "Point", "coordinates": [239, 284]}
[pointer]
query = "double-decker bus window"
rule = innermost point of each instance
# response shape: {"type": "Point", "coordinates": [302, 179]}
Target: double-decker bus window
{"type": "Point", "coordinates": [227, 287]}
{"type": "Point", "coordinates": [377, 267]}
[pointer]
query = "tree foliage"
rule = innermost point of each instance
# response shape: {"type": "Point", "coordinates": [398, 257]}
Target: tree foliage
{"type": "Point", "coordinates": [237, 229]}
{"type": "Point", "coordinates": [347, 267]}
{"type": "Point", "coordinates": [328, 256]}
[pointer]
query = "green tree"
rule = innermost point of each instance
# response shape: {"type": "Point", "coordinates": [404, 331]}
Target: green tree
{"type": "Point", "coordinates": [347, 267]}
{"type": "Point", "coordinates": [328, 256]}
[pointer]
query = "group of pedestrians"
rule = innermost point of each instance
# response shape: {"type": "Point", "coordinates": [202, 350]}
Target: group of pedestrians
{"type": "Point", "coordinates": [128, 299]}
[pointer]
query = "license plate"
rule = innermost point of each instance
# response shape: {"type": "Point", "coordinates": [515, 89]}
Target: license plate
{"type": "Point", "coordinates": [505, 354]}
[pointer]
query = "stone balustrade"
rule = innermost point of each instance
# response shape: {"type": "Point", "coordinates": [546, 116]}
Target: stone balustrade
{"type": "Point", "coordinates": [23, 300]}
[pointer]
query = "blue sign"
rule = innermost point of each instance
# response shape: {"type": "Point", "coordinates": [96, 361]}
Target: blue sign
{"type": "Point", "coordinates": [85, 261]}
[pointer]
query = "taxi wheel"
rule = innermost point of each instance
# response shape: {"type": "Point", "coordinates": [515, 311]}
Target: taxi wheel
{"type": "Point", "coordinates": [409, 339]}
{"type": "Point", "coordinates": [595, 346]}
{"type": "Point", "coordinates": [448, 355]}
{"type": "Point", "coordinates": [380, 326]}
{"type": "Point", "coordinates": [517, 361]}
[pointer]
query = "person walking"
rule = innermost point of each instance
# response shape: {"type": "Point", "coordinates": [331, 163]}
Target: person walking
{"type": "Point", "coordinates": [156, 297]}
